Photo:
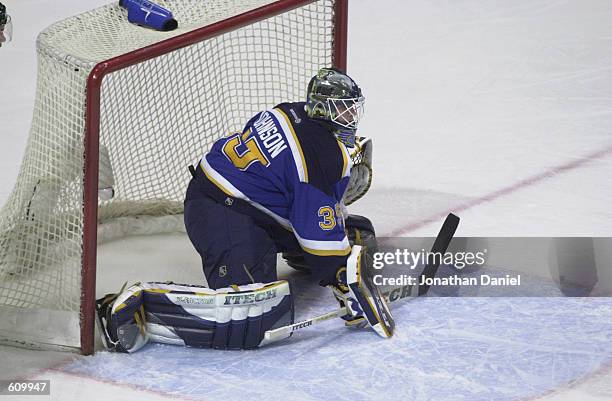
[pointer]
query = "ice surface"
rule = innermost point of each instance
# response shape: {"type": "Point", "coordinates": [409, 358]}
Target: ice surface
{"type": "Point", "coordinates": [445, 349]}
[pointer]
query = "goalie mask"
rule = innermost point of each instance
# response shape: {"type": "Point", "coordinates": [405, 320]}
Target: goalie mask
{"type": "Point", "coordinates": [334, 96]}
{"type": "Point", "coordinates": [6, 26]}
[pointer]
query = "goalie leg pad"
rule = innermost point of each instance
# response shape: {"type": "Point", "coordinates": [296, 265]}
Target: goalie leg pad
{"type": "Point", "coordinates": [227, 318]}
{"type": "Point", "coordinates": [122, 320]}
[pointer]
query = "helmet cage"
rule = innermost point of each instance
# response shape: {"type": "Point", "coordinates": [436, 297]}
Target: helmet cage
{"type": "Point", "coordinates": [346, 112]}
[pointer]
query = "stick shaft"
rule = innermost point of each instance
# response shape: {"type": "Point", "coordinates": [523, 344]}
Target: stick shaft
{"type": "Point", "coordinates": [404, 291]}
{"type": "Point", "coordinates": [285, 331]}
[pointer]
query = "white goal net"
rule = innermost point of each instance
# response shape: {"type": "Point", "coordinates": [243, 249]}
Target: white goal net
{"type": "Point", "coordinates": [120, 113]}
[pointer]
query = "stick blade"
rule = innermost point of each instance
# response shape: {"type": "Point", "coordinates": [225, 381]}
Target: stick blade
{"type": "Point", "coordinates": [440, 245]}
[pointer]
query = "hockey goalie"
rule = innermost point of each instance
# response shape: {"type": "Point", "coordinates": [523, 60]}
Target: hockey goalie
{"type": "Point", "coordinates": [279, 186]}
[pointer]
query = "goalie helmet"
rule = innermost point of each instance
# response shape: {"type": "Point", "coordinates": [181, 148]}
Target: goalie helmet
{"type": "Point", "coordinates": [3, 15]}
{"type": "Point", "coordinates": [335, 97]}
{"type": "Point", "coordinates": [6, 27]}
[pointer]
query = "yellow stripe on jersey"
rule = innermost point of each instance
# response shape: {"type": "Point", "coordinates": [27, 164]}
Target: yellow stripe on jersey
{"type": "Point", "coordinates": [297, 142]}
{"type": "Point", "coordinates": [211, 179]}
{"type": "Point", "coordinates": [331, 252]}
{"type": "Point", "coordinates": [323, 247]}
{"type": "Point", "coordinates": [345, 159]}
{"type": "Point", "coordinates": [235, 193]}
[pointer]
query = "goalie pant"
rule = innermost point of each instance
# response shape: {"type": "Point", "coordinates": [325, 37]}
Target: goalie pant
{"type": "Point", "coordinates": [229, 318]}
{"type": "Point", "coordinates": [239, 248]}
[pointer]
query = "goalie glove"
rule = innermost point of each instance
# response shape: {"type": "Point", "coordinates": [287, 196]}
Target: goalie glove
{"type": "Point", "coordinates": [362, 299]}
{"type": "Point", "coordinates": [361, 172]}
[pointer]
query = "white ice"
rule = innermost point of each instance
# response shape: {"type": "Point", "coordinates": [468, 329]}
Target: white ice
{"type": "Point", "coordinates": [494, 109]}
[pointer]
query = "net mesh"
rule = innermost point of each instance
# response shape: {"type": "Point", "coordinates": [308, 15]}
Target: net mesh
{"type": "Point", "coordinates": [156, 118]}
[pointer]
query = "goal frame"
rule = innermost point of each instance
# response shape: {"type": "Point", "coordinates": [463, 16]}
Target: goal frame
{"type": "Point", "coordinates": [92, 127]}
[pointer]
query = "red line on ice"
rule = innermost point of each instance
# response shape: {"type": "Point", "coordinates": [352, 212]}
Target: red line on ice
{"type": "Point", "coordinates": [574, 384]}
{"type": "Point", "coordinates": [60, 368]}
{"type": "Point", "coordinates": [130, 386]}
{"type": "Point", "coordinates": [552, 172]}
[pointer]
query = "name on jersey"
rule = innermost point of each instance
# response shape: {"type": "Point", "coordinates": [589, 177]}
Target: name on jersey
{"type": "Point", "coordinates": [268, 134]}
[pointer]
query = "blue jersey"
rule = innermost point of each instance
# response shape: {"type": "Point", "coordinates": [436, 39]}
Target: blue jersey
{"type": "Point", "coordinates": [293, 169]}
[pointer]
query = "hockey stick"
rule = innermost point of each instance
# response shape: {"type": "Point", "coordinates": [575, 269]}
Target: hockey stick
{"type": "Point", "coordinates": [285, 331]}
{"type": "Point", "coordinates": [440, 246]}
{"type": "Point", "coordinates": [433, 264]}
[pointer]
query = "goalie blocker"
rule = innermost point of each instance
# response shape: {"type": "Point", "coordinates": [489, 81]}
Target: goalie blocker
{"type": "Point", "coordinates": [361, 298]}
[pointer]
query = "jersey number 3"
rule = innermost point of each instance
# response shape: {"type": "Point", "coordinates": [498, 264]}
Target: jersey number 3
{"type": "Point", "coordinates": [329, 220]}
{"type": "Point", "coordinates": [249, 156]}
